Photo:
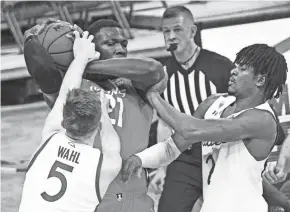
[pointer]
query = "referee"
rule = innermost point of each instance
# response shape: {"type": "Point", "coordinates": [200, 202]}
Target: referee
{"type": "Point", "coordinates": [193, 75]}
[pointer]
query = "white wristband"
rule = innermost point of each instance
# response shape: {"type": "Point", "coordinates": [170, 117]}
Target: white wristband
{"type": "Point", "coordinates": [160, 154]}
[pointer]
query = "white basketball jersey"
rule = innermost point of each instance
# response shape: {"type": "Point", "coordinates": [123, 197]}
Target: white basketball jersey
{"type": "Point", "coordinates": [63, 176]}
{"type": "Point", "coordinates": [231, 175]}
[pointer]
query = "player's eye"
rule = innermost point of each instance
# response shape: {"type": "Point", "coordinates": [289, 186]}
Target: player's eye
{"type": "Point", "coordinates": [177, 29]}
{"type": "Point", "coordinates": [110, 43]}
{"type": "Point", "coordinates": [166, 30]}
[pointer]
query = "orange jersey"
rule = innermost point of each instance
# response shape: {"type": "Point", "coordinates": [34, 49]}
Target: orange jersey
{"type": "Point", "coordinates": [131, 117]}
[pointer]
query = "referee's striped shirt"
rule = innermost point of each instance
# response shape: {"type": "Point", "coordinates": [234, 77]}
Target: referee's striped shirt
{"type": "Point", "coordinates": [186, 89]}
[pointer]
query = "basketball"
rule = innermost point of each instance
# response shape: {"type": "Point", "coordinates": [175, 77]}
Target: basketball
{"type": "Point", "coordinates": [53, 39]}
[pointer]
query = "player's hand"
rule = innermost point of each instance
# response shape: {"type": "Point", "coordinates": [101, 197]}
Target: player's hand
{"type": "Point", "coordinates": [160, 86]}
{"type": "Point", "coordinates": [83, 46]}
{"type": "Point", "coordinates": [104, 100]}
{"type": "Point", "coordinates": [158, 180]}
{"type": "Point", "coordinates": [274, 173]}
{"type": "Point", "coordinates": [132, 165]}
{"type": "Point", "coordinates": [71, 35]}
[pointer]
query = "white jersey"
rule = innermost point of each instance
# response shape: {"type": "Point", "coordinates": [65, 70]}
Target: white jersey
{"type": "Point", "coordinates": [63, 176]}
{"type": "Point", "coordinates": [231, 175]}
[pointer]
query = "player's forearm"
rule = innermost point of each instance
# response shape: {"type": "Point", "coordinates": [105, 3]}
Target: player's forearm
{"type": "Point", "coordinates": [284, 156]}
{"type": "Point", "coordinates": [196, 130]}
{"type": "Point", "coordinates": [169, 114]}
{"type": "Point", "coordinates": [160, 154]}
{"type": "Point", "coordinates": [72, 79]}
{"type": "Point", "coordinates": [144, 71]}
{"type": "Point", "coordinates": [274, 197]}
{"type": "Point", "coordinates": [109, 138]}
{"type": "Point", "coordinates": [73, 76]}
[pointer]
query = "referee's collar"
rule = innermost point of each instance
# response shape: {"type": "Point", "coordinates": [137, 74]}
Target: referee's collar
{"type": "Point", "coordinates": [191, 63]}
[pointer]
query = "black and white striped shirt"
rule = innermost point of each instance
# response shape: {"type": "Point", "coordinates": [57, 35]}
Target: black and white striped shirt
{"type": "Point", "coordinates": [186, 89]}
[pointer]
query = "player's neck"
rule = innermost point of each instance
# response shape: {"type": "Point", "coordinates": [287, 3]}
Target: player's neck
{"type": "Point", "coordinates": [88, 140]}
{"type": "Point", "coordinates": [243, 103]}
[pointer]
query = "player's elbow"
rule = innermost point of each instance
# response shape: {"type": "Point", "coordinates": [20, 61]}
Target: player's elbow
{"type": "Point", "coordinates": [156, 70]}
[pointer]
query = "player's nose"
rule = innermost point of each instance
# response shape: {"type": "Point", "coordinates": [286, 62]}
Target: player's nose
{"type": "Point", "coordinates": [234, 71]}
{"type": "Point", "coordinates": [120, 51]}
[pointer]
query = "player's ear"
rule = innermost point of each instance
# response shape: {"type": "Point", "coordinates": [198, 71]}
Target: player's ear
{"type": "Point", "coordinates": [99, 127]}
{"type": "Point", "coordinates": [193, 30]}
{"type": "Point", "coordinates": [261, 80]}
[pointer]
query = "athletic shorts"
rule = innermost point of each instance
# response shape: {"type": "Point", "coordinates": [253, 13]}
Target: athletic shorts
{"type": "Point", "coordinates": [124, 202]}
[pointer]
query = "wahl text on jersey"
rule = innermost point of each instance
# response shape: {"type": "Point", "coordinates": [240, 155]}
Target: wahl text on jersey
{"type": "Point", "coordinates": [68, 154]}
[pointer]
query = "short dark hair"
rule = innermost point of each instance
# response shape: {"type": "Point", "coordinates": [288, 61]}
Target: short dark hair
{"type": "Point", "coordinates": [267, 61]}
{"type": "Point", "coordinates": [175, 11]}
{"type": "Point", "coordinates": [95, 27]}
{"type": "Point", "coordinates": [81, 112]}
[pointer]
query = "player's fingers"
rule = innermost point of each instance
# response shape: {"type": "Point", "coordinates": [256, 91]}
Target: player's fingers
{"type": "Point", "coordinates": [268, 178]}
{"type": "Point", "coordinates": [70, 36]}
{"type": "Point", "coordinates": [125, 169]}
{"type": "Point", "coordinates": [271, 172]}
{"type": "Point", "coordinates": [77, 34]}
{"type": "Point", "coordinates": [90, 38]}
{"type": "Point", "coordinates": [281, 176]}
{"type": "Point", "coordinates": [130, 171]}
{"type": "Point", "coordinates": [97, 55]}
{"type": "Point", "coordinates": [85, 34]}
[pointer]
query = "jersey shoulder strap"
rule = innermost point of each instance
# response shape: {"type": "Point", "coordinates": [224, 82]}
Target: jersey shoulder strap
{"type": "Point", "coordinates": [216, 109]}
{"type": "Point", "coordinates": [98, 174]}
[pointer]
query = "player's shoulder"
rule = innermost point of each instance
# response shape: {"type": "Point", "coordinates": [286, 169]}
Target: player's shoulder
{"type": "Point", "coordinates": [212, 98]}
{"type": "Point", "coordinates": [207, 103]}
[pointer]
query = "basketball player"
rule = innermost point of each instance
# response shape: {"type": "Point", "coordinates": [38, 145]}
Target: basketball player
{"type": "Point", "coordinates": [236, 144]}
{"type": "Point", "coordinates": [127, 101]}
{"type": "Point", "coordinates": [277, 172]}
{"type": "Point", "coordinates": [194, 74]}
{"type": "Point", "coordinates": [67, 173]}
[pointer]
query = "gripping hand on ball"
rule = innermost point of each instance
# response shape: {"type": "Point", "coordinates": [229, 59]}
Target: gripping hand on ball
{"type": "Point", "coordinates": [83, 46]}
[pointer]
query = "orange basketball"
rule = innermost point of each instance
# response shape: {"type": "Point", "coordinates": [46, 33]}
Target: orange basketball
{"type": "Point", "coordinates": [60, 47]}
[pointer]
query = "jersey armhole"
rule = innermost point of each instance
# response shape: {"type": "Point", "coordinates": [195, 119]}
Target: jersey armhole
{"type": "Point", "coordinates": [98, 174]}
{"type": "Point", "coordinates": [38, 152]}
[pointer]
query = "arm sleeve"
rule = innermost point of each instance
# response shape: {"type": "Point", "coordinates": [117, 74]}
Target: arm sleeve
{"type": "Point", "coordinates": [160, 154]}
{"type": "Point", "coordinates": [41, 66]}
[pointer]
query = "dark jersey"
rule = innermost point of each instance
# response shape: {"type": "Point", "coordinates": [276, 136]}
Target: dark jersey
{"type": "Point", "coordinates": [186, 89]}
{"type": "Point", "coordinates": [131, 117]}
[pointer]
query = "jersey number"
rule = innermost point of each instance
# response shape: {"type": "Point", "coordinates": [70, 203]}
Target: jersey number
{"type": "Point", "coordinates": [210, 158]}
{"type": "Point", "coordinates": [54, 173]}
{"type": "Point", "coordinates": [113, 104]}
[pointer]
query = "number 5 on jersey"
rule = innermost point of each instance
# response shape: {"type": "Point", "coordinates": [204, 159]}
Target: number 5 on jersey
{"type": "Point", "coordinates": [54, 173]}
{"type": "Point", "coordinates": [113, 104]}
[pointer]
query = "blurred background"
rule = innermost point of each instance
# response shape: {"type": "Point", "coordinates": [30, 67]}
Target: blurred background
{"type": "Point", "coordinates": [224, 27]}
